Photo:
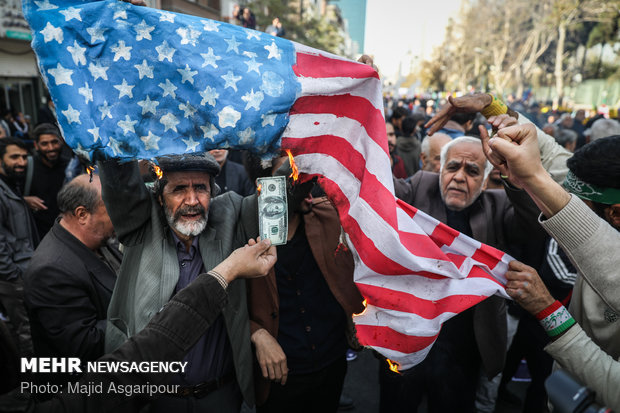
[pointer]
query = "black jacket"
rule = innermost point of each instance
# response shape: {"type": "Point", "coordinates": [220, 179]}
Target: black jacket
{"type": "Point", "coordinates": [67, 291]}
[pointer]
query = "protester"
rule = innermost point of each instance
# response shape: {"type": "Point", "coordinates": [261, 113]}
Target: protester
{"type": "Point", "coordinates": [232, 176]}
{"type": "Point", "coordinates": [586, 230]}
{"type": "Point", "coordinates": [45, 176]}
{"type": "Point", "coordinates": [408, 145]}
{"type": "Point", "coordinates": [430, 151]}
{"type": "Point", "coordinates": [468, 341]}
{"type": "Point", "coordinates": [170, 237]}
{"type": "Point", "coordinates": [300, 314]}
{"type": "Point", "coordinates": [398, 165]}
{"type": "Point", "coordinates": [275, 28]}
{"type": "Point", "coordinates": [18, 239]}
{"type": "Point", "coordinates": [71, 276]}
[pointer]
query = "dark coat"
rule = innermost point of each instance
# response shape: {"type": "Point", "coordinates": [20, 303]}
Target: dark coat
{"type": "Point", "coordinates": [493, 221]}
{"type": "Point", "coordinates": [237, 179]}
{"type": "Point", "coordinates": [169, 335]}
{"type": "Point", "coordinates": [323, 231]}
{"type": "Point", "coordinates": [67, 292]}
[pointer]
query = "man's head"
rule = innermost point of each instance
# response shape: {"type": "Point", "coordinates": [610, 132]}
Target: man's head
{"type": "Point", "coordinates": [220, 156]}
{"type": "Point", "coordinates": [603, 128]}
{"type": "Point", "coordinates": [13, 158]}
{"type": "Point", "coordinates": [47, 142]}
{"type": "Point", "coordinates": [566, 121]}
{"type": "Point", "coordinates": [466, 120]}
{"type": "Point", "coordinates": [464, 170]}
{"type": "Point", "coordinates": [391, 136]}
{"type": "Point", "coordinates": [185, 191]}
{"type": "Point", "coordinates": [431, 150]}
{"type": "Point", "coordinates": [398, 115]}
{"type": "Point", "coordinates": [567, 138]}
{"type": "Point", "coordinates": [580, 115]}
{"type": "Point", "coordinates": [83, 212]}
{"type": "Point", "coordinates": [594, 176]}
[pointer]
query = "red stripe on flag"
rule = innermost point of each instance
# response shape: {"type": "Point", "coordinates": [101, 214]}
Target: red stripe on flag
{"type": "Point", "coordinates": [372, 257]}
{"type": "Point", "coordinates": [444, 235]}
{"type": "Point", "coordinates": [348, 106]}
{"type": "Point", "coordinates": [318, 66]}
{"type": "Point", "coordinates": [401, 301]}
{"type": "Point", "coordinates": [488, 255]}
{"type": "Point", "coordinates": [385, 337]}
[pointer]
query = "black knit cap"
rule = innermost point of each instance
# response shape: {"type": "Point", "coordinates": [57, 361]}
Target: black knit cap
{"type": "Point", "coordinates": [203, 162]}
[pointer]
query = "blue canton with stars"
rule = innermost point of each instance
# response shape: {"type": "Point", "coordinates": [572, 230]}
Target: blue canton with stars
{"type": "Point", "coordinates": [136, 82]}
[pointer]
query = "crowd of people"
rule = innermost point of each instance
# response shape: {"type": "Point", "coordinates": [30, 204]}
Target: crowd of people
{"type": "Point", "coordinates": [121, 263]}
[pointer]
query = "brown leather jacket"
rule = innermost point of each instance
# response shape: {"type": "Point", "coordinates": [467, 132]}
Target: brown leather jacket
{"type": "Point", "coordinates": [323, 231]}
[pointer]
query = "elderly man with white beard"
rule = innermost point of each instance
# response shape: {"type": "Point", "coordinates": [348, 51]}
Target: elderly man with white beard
{"type": "Point", "coordinates": [476, 338]}
{"type": "Point", "coordinates": [171, 235]}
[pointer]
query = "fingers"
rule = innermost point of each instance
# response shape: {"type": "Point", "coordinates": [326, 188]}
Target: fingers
{"type": "Point", "coordinates": [492, 156]}
{"type": "Point", "coordinates": [502, 121]}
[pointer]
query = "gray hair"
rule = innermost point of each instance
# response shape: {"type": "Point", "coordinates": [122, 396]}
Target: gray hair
{"type": "Point", "coordinates": [426, 142]}
{"type": "Point", "coordinates": [603, 128]}
{"type": "Point", "coordinates": [488, 167]}
{"type": "Point", "coordinates": [564, 136]}
{"type": "Point", "coordinates": [75, 194]}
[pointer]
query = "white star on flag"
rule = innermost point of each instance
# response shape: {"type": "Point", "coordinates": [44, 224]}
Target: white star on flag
{"type": "Point", "coordinates": [105, 110]}
{"type": "Point", "coordinates": [166, 17]}
{"type": "Point", "coordinates": [87, 92]}
{"type": "Point", "coordinates": [231, 80]}
{"type": "Point", "coordinates": [273, 50]}
{"type": "Point", "coordinates": [144, 70]}
{"type": "Point", "coordinates": [150, 141]}
{"type": "Point", "coordinates": [127, 125]}
{"type": "Point", "coordinates": [209, 58]}
{"type": "Point", "coordinates": [188, 35]}
{"type": "Point", "coordinates": [191, 144]}
{"type": "Point", "coordinates": [148, 105]}
{"type": "Point", "coordinates": [96, 33]}
{"type": "Point", "coordinates": [246, 136]}
{"type": "Point", "coordinates": [169, 121]}
{"type": "Point", "coordinates": [187, 74]}
{"type": "Point", "coordinates": [143, 31]}
{"type": "Point", "coordinates": [77, 53]}
{"type": "Point", "coordinates": [45, 5]}
{"type": "Point", "coordinates": [168, 89]}
{"type": "Point", "coordinates": [253, 65]}
{"type": "Point", "coordinates": [228, 117]}
{"type": "Point", "coordinates": [95, 132]}
{"type": "Point", "coordinates": [52, 33]}
{"type": "Point", "coordinates": [121, 50]}
{"type": "Point", "coordinates": [252, 34]}
{"type": "Point", "coordinates": [62, 76]}
{"type": "Point", "coordinates": [268, 119]}
{"type": "Point", "coordinates": [115, 146]}
{"type": "Point", "coordinates": [124, 89]}
{"type": "Point", "coordinates": [71, 13]}
{"type": "Point", "coordinates": [72, 115]}
{"type": "Point", "coordinates": [209, 131]}
{"type": "Point", "coordinates": [210, 26]}
{"type": "Point", "coordinates": [209, 95]}
{"type": "Point", "coordinates": [233, 45]}
{"type": "Point", "coordinates": [188, 110]}
{"type": "Point", "coordinates": [164, 51]}
{"type": "Point", "coordinates": [253, 100]}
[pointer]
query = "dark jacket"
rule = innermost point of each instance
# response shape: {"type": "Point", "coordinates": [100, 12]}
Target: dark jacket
{"type": "Point", "coordinates": [237, 179]}
{"type": "Point", "coordinates": [322, 228]}
{"type": "Point", "coordinates": [18, 235]}
{"type": "Point", "coordinates": [493, 221]}
{"type": "Point", "coordinates": [67, 292]}
{"type": "Point", "coordinates": [170, 334]}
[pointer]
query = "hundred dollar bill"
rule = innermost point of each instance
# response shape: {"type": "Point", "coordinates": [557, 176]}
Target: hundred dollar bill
{"type": "Point", "coordinates": [273, 209]}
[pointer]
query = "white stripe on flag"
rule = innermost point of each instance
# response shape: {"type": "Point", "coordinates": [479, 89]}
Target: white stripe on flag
{"type": "Point", "coordinates": [332, 86]}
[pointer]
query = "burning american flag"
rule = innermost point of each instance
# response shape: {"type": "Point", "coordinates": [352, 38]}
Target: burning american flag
{"type": "Point", "coordinates": [135, 82]}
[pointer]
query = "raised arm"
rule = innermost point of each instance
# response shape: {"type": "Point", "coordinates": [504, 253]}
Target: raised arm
{"type": "Point", "coordinates": [126, 198]}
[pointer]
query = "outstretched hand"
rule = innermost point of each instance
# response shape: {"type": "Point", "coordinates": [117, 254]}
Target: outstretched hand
{"type": "Point", "coordinates": [255, 259]}
{"type": "Point", "coordinates": [463, 104]}
{"type": "Point", "coordinates": [526, 288]}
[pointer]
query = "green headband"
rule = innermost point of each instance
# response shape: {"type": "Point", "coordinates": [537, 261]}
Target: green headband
{"type": "Point", "coordinates": [607, 196]}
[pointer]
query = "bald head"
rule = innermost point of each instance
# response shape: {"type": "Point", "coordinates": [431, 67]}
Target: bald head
{"type": "Point", "coordinates": [431, 151]}
{"type": "Point", "coordinates": [80, 192]}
